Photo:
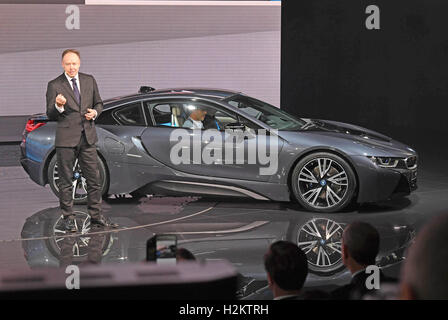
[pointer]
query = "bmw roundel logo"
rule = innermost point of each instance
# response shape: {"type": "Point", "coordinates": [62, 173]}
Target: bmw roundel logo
{"type": "Point", "coordinates": [323, 182]}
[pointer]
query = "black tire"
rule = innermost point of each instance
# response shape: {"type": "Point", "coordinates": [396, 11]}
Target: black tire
{"type": "Point", "coordinates": [80, 198]}
{"type": "Point", "coordinates": [312, 191]}
{"type": "Point", "coordinates": [137, 194]}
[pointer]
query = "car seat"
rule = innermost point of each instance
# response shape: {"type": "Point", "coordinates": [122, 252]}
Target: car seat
{"type": "Point", "coordinates": [177, 119]}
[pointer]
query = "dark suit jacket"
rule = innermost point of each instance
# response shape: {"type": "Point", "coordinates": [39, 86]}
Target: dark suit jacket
{"type": "Point", "coordinates": [356, 289]}
{"type": "Point", "coordinates": [72, 120]}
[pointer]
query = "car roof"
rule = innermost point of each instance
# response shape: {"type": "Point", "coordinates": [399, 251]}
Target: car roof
{"type": "Point", "coordinates": [218, 94]}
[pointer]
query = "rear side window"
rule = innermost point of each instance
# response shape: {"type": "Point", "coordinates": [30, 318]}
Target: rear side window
{"type": "Point", "coordinates": [130, 115]}
{"type": "Point", "coordinates": [106, 118]}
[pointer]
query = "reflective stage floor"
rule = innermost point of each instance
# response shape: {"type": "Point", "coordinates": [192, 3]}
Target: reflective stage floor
{"type": "Point", "coordinates": [238, 230]}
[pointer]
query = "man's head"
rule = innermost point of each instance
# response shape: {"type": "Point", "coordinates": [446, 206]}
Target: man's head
{"type": "Point", "coordinates": [360, 245]}
{"type": "Point", "coordinates": [183, 254]}
{"type": "Point", "coordinates": [424, 274]}
{"type": "Point", "coordinates": [71, 61]}
{"type": "Point", "coordinates": [198, 113]}
{"type": "Point", "coordinates": [287, 268]}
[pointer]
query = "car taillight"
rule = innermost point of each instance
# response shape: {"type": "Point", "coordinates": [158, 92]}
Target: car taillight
{"type": "Point", "coordinates": [30, 126]}
{"type": "Point", "coordinates": [33, 125]}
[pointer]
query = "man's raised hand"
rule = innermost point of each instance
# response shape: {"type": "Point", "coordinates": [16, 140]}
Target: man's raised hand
{"type": "Point", "coordinates": [60, 100]}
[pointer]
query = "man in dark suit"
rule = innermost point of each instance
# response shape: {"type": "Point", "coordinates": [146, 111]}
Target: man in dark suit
{"type": "Point", "coordinates": [73, 100]}
{"type": "Point", "coordinates": [360, 246]}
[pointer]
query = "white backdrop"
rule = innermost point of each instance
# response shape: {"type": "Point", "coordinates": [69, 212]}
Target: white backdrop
{"type": "Point", "coordinates": [231, 47]}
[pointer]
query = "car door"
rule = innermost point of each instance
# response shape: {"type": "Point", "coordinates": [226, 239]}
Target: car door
{"type": "Point", "coordinates": [212, 151]}
{"type": "Point", "coordinates": [120, 125]}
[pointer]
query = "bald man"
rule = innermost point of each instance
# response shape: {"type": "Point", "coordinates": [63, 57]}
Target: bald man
{"type": "Point", "coordinates": [73, 100]}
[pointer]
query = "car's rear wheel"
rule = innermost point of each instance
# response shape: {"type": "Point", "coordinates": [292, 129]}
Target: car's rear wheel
{"type": "Point", "coordinates": [79, 182]}
{"type": "Point", "coordinates": [76, 249]}
{"type": "Point", "coordinates": [323, 182]}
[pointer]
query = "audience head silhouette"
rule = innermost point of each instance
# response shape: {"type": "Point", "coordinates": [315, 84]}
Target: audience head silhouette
{"type": "Point", "coordinates": [360, 246]}
{"type": "Point", "coordinates": [425, 272]}
{"type": "Point", "coordinates": [183, 254]}
{"type": "Point", "coordinates": [287, 268]}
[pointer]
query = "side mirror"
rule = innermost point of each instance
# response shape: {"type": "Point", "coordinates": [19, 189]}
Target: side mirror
{"type": "Point", "coordinates": [235, 126]}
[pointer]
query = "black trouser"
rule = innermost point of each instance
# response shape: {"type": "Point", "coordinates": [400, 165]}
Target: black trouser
{"type": "Point", "coordinates": [88, 162]}
{"type": "Point", "coordinates": [94, 249]}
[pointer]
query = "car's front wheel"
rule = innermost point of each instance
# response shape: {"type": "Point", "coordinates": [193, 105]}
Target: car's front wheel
{"type": "Point", "coordinates": [79, 182]}
{"type": "Point", "coordinates": [321, 241]}
{"type": "Point", "coordinates": [323, 182]}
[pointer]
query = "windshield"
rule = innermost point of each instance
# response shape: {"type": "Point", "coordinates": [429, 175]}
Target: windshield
{"type": "Point", "coordinates": [272, 116]}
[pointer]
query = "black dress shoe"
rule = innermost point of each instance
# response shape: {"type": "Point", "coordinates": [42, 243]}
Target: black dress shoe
{"type": "Point", "coordinates": [68, 224]}
{"type": "Point", "coordinates": [102, 222]}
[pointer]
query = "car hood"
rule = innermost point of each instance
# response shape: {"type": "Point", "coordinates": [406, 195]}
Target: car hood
{"type": "Point", "coordinates": [349, 129]}
{"type": "Point", "coordinates": [349, 138]}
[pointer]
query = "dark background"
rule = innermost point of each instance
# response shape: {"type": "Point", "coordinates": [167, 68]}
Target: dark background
{"type": "Point", "coordinates": [393, 80]}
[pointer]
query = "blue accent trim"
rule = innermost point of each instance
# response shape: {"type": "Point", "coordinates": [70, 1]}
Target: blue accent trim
{"type": "Point", "coordinates": [168, 124]}
{"type": "Point", "coordinates": [36, 151]}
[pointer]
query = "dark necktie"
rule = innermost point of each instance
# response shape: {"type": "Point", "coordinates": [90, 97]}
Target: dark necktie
{"type": "Point", "coordinates": [76, 91]}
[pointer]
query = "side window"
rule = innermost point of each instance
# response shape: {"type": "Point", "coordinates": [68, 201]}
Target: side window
{"type": "Point", "coordinates": [166, 114]}
{"type": "Point", "coordinates": [222, 118]}
{"type": "Point", "coordinates": [190, 114]}
{"type": "Point", "coordinates": [130, 115]}
{"type": "Point", "coordinates": [246, 109]}
{"type": "Point", "coordinates": [250, 126]}
{"type": "Point", "coordinates": [163, 116]}
{"type": "Point", "coordinates": [106, 118]}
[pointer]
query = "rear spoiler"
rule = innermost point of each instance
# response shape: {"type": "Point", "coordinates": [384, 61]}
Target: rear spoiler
{"type": "Point", "coordinates": [39, 117]}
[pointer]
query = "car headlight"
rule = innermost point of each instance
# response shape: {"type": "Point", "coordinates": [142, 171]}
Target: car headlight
{"type": "Point", "coordinates": [385, 162]}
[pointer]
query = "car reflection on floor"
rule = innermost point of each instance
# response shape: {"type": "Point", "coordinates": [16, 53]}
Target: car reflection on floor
{"type": "Point", "coordinates": [212, 229]}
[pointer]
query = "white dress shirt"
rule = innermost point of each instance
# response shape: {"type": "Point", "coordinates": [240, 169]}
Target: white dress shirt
{"type": "Point", "coordinates": [197, 124]}
{"type": "Point", "coordinates": [61, 109]}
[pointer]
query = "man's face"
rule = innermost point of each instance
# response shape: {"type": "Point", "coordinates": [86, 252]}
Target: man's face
{"type": "Point", "coordinates": [198, 114]}
{"type": "Point", "coordinates": [71, 64]}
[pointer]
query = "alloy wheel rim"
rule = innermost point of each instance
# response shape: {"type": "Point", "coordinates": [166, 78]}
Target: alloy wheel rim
{"type": "Point", "coordinates": [323, 183]}
{"type": "Point", "coordinates": [81, 243]}
{"type": "Point", "coordinates": [321, 241]}
{"type": "Point", "coordinates": [79, 183]}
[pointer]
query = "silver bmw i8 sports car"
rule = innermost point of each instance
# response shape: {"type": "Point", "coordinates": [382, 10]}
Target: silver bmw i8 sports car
{"type": "Point", "coordinates": [218, 142]}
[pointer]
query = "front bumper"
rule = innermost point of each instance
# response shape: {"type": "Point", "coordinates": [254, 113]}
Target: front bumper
{"type": "Point", "coordinates": [407, 183]}
{"type": "Point", "coordinates": [378, 184]}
